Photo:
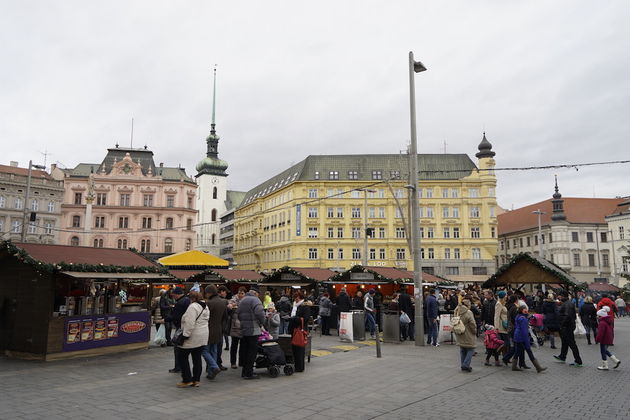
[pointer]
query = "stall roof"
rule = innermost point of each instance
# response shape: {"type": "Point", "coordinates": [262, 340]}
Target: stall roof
{"type": "Point", "coordinates": [603, 287]}
{"type": "Point", "coordinates": [132, 276]}
{"type": "Point", "coordinates": [530, 269]}
{"type": "Point", "coordinates": [224, 274]}
{"type": "Point", "coordinates": [193, 258]}
{"type": "Point", "coordinates": [312, 274]}
{"type": "Point", "coordinates": [55, 254]}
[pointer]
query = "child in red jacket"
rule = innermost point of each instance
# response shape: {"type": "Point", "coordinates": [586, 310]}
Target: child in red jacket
{"type": "Point", "coordinates": [493, 344]}
{"type": "Point", "coordinates": [605, 336]}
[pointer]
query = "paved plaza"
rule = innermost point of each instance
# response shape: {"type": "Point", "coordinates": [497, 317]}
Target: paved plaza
{"type": "Point", "coordinates": [342, 383]}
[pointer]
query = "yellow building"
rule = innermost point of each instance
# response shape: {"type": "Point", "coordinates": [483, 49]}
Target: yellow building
{"type": "Point", "coordinates": [312, 214]}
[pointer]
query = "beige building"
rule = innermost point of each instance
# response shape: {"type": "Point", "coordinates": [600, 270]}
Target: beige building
{"type": "Point", "coordinates": [127, 201]}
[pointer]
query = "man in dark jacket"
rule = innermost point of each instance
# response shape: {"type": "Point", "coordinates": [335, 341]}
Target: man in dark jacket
{"type": "Point", "coordinates": [487, 308]}
{"type": "Point", "coordinates": [251, 316]}
{"type": "Point", "coordinates": [567, 326]}
{"type": "Point", "coordinates": [166, 307]}
{"type": "Point", "coordinates": [431, 304]}
{"type": "Point", "coordinates": [217, 307]}
{"type": "Point", "coordinates": [175, 318]}
{"type": "Point", "coordinates": [343, 301]}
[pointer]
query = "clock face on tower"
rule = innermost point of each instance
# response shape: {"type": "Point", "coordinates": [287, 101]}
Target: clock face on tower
{"type": "Point", "coordinates": [215, 179]}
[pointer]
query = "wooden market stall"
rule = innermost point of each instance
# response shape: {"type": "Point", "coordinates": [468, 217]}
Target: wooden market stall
{"type": "Point", "coordinates": [60, 301]}
{"type": "Point", "coordinates": [288, 278]}
{"type": "Point", "coordinates": [232, 279]}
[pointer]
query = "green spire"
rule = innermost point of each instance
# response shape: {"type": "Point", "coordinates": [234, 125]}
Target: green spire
{"type": "Point", "coordinates": [214, 101]}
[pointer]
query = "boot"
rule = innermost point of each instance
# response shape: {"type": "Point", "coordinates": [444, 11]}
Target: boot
{"type": "Point", "coordinates": [604, 365]}
{"type": "Point", "coordinates": [616, 361]}
{"type": "Point", "coordinates": [537, 366]}
{"type": "Point", "coordinates": [588, 339]}
{"type": "Point", "coordinates": [515, 365]}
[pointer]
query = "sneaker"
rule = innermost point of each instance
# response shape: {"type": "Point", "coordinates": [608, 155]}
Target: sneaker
{"type": "Point", "coordinates": [174, 370]}
{"type": "Point", "coordinates": [558, 359]}
{"type": "Point", "coordinates": [436, 345]}
{"type": "Point", "coordinates": [184, 384]}
{"type": "Point", "coordinates": [575, 364]}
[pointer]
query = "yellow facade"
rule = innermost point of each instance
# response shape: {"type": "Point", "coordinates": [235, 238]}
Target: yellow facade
{"type": "Point", "coordinates": [320, 222]}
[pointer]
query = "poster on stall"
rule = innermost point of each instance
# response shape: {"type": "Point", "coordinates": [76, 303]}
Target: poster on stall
{"type": "Point", "coordinates": [73, 332]}
{"type": "Point", "coordinates": [87, 330]}
{"type": "Point", "coordinates": [112, 328]}
{"type": "Point", "coordinates": [345, 327]}
{"type": "Point", "coordinates": [444, 333]}
{"type": "Point", "coordinates": [100, 329]}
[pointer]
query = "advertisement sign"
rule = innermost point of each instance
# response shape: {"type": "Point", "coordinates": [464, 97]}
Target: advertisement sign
{"type": "Point", "coordinates": [298, 219]}
{"type": "Point", "coordinates": [88, 332]}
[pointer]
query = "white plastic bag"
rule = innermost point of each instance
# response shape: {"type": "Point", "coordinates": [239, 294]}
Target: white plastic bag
{"type": "Point", "coordinates": [579, 327]}
{"type": "Point", "coordinates": [160, 335]}
{"type": "Point", "coordinates": [345, 327]}
{"type": "Point", "coordinates": [404, 318]}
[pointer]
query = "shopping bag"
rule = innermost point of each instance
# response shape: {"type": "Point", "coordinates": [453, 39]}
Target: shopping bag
{"type": "Point", "coordinates": [345, 327]}
{"type": "Point", "coordinates": [404, 318]}
{"type": "Point", "coordinates": [160, 336]}
{"type": "Point", "coordinates": [579, 327]}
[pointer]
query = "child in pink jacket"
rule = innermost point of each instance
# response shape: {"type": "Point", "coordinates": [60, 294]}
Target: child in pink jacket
{"type": "Point", "coordinates": [493, 345]}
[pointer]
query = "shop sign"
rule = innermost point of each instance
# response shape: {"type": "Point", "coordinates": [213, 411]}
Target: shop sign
{"type": "Point", "coordinates": [88, 332]}
{"type": "Point", "coordinates": [133, 327]}
{"type": "Point", "coordinates": [289, 277]}
{"type": "Point", "coordinates": [361, 276]}
{"type": "Point", "coordinates": [211, 277]}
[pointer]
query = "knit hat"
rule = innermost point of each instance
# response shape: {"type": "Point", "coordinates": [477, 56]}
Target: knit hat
{"type": "Point", "coordinates": [602, 312]}
{"type": "Point", "coordinates": [606, 308]}
{"type": "Point", "coordinates": [502, 294]}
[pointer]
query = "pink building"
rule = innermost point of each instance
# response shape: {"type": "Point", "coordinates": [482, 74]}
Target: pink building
{"type": "Point", "coordinates": [128, 202]}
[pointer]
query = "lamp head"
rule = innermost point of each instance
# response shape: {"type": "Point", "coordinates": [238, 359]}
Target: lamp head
{"type": "Point", "coordinates": [418, 67]}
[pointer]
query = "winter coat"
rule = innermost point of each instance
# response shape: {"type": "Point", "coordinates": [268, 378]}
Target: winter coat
{"type": "Point", "coordinates": [500, 315]}
{"type": "Point", "coordinates": [369, 303]}
{"type": "Point", "coordinates": [432, 307]}
{"type": "Point", "coordinates": [181, 305]}
{"type": "Point", "coordinates": [272, 324]}
{"type": "Point", "coordinates": [302, 314]}
{"type": "Point", "coordinates": [605, 330]}
{"type": "Point", "coordinates": [357, 303]}
{"type": "Point", "coordinates": [521, 330]}
{"type": "Point", "coordinates": [487, 311]}
{"type": "Point", "coordinates": [468, 339]}
{"type": "Point", "coordinates": [512, 312]}
{"type": "Point", "coordinates": [166, 307]}
{"type": "Point", "coordinates": [251, 315]}
{"type": "Point", "coordinates": [588, 315]}
{"type": "Point", "coordinates": [284, 307]}
{"type": "Point", "coordinates": [325, 306]}
{"type": "Point", "coordinates": [607, 302]}
{"type": "Point", "coordinates": [491, 340]}
{"type": "Point", "coordinates": [195, 325]}
{"type": "Point", "coordinates": [235, 326]}
{"type": "Point", "coordinates": [343, 302]}
{"type": "Point", "coordinates": [218, 311]}
{"type": "Point", "coordinates": [405, 305]}
{"type": "Point", "coordinates": [567, 316]}
{"type": "Point", "coordinates": [551, 319]}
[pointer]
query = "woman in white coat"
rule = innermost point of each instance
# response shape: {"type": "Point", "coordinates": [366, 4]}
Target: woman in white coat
{"type": "Point", "coordinates": [195, 331]}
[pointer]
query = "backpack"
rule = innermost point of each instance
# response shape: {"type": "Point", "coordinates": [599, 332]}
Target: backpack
{"type": "Point", "coordinates": [457, 325]}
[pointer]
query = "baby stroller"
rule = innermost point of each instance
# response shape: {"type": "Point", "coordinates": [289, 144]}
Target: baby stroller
{"type": "Point", "coordinates": [536, 330]}
{"type": "Point", "coordinates": [271, 357]}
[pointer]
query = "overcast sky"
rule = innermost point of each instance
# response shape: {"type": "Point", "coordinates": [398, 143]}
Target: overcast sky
{"type": "Point", "coordinates": [548, 80]}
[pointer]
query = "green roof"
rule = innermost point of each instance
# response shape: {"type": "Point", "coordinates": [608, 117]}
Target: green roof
{"type": "Point", "coordinates": [234, 199]}
{"type": "Point", "coordinates": [314, 167]}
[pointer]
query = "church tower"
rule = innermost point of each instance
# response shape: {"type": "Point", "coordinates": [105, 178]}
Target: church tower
{"type": "Point", "coordinates": [212, 191]}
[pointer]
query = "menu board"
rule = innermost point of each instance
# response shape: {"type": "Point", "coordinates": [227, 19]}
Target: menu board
{"type": "Point", "coordinates": [87, 332]}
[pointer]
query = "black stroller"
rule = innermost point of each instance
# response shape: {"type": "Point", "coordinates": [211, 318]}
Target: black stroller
{"type": "Point", "coordinates": [271, 357]}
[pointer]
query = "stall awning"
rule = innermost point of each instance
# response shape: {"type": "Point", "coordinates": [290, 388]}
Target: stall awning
{"type": "Point", "coordinates": [288, 284]}
{"type": "Point", "coordinates": [193, 258]}
{"type": "Point", "coordinates": [130, 276]}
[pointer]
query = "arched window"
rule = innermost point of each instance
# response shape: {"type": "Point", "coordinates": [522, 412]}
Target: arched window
{"type": "Point", "coordinates": [122, 243]}
{"type": "Point", "coordinates": [168, 245]}
{"type": "Point", "coordinates": [145, 245]}
{"type": "Point", "coordinates": [98, 243]}
{"type": "Point", "coordinates": [214, 238]}
{"type": "Point", "coordinates": [169, 223]}
{"type": "Point", "coordinates": [74, 241]}
{"type": "Point", "coordinates": [214, 215]}
{"type": "Point", "coordinates": [214, 193]}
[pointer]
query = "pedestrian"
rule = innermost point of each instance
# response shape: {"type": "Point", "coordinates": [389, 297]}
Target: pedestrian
{"type": "Point", "coordinates": [467, 341]}
{"type": "Point", "coordinates": [621, 306]}
{"type": "Point", "coordinates": [325, 312]}
{"type": "Point", "coordinates": [405, 304]}
{"type": "Point", "coordinates": [344, 304]}
{"type": "Point", "coordinates": [431, 305]}
{"type": "Point", "coordinates": [501, 322]}
{"type": "Point", "coordinates": [235, 329]}
{"type": "Point", "coordinates": [567, 326]}
{"type": "Point", "coordinates": [522, 342]}
{"type": "Point", "coordinates": [605, 336]}
{"type": "Point", "coordinates": [217, 311]}
{"type": "Point", "coordinates": [166, 308]}
{"type": "Point", "coordinates": [512, 311]}
{"type": "Point", "coordinates": [272, 320]}
{"type": "Point", "coordinates": [300, 314]}
{"type": "Point", "coordinates": [283, 307]}
{"type": "Point", "coordinates": [175, 318]}
{"type": "Point", "coordinates": [267, 300]}
{"type": "Point", "coordinates": [357, 301]}
{"type": "Point", "coordinates": [493, 345]}
{"type": "Point", "coordinates": [487, 308]}
{"type": "Point", "coordinates": [551, 319]}
{"type": "Point", "coordinates": [606, 301]}
{"type": "Point", "coordinates": [370, 310]}
{"type": "Point", "coordinates": [223, 293]}
{"type": "Point", "coordinates": [194, 324]}
{"type": "Point", "coordinates": [251, 316]}
{"type": "Point", "coordinates": [588, 316]}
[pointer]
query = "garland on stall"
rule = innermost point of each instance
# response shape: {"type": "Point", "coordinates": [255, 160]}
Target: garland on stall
{"type": "Point", "coordinates": [547, 266]}
{"type": "Point", "coordinates": [22, 256]}
{"type": "Point", "coordinates": [288, 270]}
{"type": "Point", "coordinates": [357, 269]}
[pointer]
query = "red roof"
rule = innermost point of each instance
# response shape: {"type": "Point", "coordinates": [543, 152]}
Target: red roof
{"type": "Point", "coordinates": [602, 287]}
{"type": "Point", "coordinates": [184, 274]}
{"type": "Point", "coordinates": [54, 254]}
{"type": "Point", "coordinates": [319, 274]}
{"type": "Point", "coordinates": [229, 275]}
{"type": "Point", "coordinates": [426, 277]}
{"type": "Point", "coordinates": [391, 272]}
{"type": "Point", "coordinates": [35, 173]}
{"type": "Point", "coordinates": [576, 210]}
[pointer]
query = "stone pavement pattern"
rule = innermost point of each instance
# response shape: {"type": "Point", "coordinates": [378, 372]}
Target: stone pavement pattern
{"type": "Point", "coordinates": [407, 382]}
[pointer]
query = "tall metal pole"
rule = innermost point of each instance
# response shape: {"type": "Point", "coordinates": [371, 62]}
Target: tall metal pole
{"type": "Point", "coordinates": [413, 197]}
{"type": "Point", "coordinates": [28, 193]}
{"type": "Point", "coordinates": [365, 227]}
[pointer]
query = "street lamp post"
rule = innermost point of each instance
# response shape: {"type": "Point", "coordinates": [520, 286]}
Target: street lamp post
{"type": "Point", "coordinates": [415, 67]}
{"type": "Point", "coordinates": [365, 225]}
{"type": "Point", "coordinates": [28, 193]}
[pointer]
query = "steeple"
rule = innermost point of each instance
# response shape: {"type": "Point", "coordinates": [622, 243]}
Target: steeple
{"type": "Point", "coordinates": [558, 204]}
{"type": "Point", "coordinates": [212, 164]}
{"type": "Point", "coordinates": [485, 148]}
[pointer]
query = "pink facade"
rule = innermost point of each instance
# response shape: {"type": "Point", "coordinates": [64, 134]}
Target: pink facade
{"type": "Point", "coordinates": [128, 202]}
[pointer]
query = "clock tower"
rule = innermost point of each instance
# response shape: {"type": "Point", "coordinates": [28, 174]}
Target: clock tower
{"type": "Point", "coordinates": [212, 192]}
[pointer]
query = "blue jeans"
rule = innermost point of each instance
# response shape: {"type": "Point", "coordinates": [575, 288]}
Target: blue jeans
{"type": "Point", "coordinates": [603, 348]}
{"type": "Point", "coordinates": [370, 324]}
{"type": "Point", "coordinates": [433, 331]}
{"type": "Point", "coordinates": [466, 356]}
{"type": "Point", "coordinates": [284, 326]}
{"type": "Point", "coordinates": [209, 353]}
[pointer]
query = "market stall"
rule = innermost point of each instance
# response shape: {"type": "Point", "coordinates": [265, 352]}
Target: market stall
{"type": "Point", "coordinates": [60, 301]}
{"type": "Point", "coordinates": [232, 279]}
{"type": "Point", "coordinates": [288, 279]}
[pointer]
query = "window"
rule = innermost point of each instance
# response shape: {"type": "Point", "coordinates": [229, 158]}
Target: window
{"type": "Point", "coordinates": [74, 241]}
{"type": "Point", "coordinates": [452, 271]}
{"type": "Point", "coordinates": [431, 253]}
{"type": "Point", "coordinates": [429, 192]}
{"type": "Point", "coordinates": [213, 215]}
{"type": "Point", "coordinates": [493, 233]}
{"type": "Point", "coordinates": [474, 232]}
{"type": "Point", "coordinates": [535, 240]}
{"type": "Point", "coordinates": [575, 237]}
{"type": "Point", "coordinates": [339, 232]}
{"type": "Point", "coordinates": [514, 243]}
{"type": "Point", "coordinates": [356, 253]}
{"type": "Point", "coordinates": [331, 253]}
{"type": "Point", "coordinates": [125, 200]}
{"type": "Point", "coordinates": [312, 232]}
{"type": "Point", "coordinates": [455, 193]}
{"type": "Point", "coordinates": [330, 212]}
{"type": "Point", "coordinates": [170, 201]}
{"type": "Point", "coordinates": [394, 174]}
{"type": "Point", "coordinates": [98, 243]}
{"type": "Point", "coordinates": [35, 205]}
{"type": "Point", "coordinates": [372, 254]}
{"type": "Point", "coordinates": [145, 245]}
{"type": "Point", "coordinates": [3, 202]}
{"type": "Point", "coordinates": [330, 232]}
{"type": "Point", "coordinates": [398, 214]}
{"type": "Point", "coordinates": [47, 228]}
{"type": "Point", "coordinates": [316, 175]}
{"type": "Point", "coordinates": [32, 227]}
{"type": "Point", "coordinates": [455, 211]}
{"type": "Point", "coordinates": [169, 223]}
{"type": "Point", "coordinates": [605, 260]}
{"type": "Point", "coordinates": [550, 237]}
{"type": "Point", "coordinates": [215, 193]}
{"type": "Point", "coordinates": [353, 175]}
{"type": "Point", "coordinates": [480, 271]}
{"type": "Point", "coordinates": [16, 226]}
{"type": "Point", "coordinates": [356, 212]}
{"type": "Point", "coordinates": [591, 260]}
{"type": "Point", "coordinates": [446, 233]}
{"type": "Point", "coordinates": [444, 192]}
{"type": "Point", "coordinates": [529, 242]}
{"type": "Point", "coordinates": [122, 244]}
{"type": "Point", "coordinates": [99, 222]}
{"type": "Point", "coordinates": [381, 212]}
{"type": "Point", "coordinates": [312, 253]}
{"type": "Point", "coordinates": [123, 222]}
{"type": "Point", "coordinates": [188, 244]}
{"type": "Point", "coordinates": [474, 212]}
{"type": "Point", "coordinates": [603, 237]}
{"type": "Point", "coordinates": [455, 233]}
{"type": "Point", "coordinates": [356, 233]}
{"type": "Point", "coordinates": [400, 253]}
{"type": "Point", "coordinates": [312, 193]}
{"type": "Point", "coordinates": [189, 224]}
{"type": "Point", "coordinates": [430, 233]}
{"type": "Point", "coordinates": [339, 211]}
{"type": "Point", "coordinates": [398, 193]}
{"type": "Point", "coordinates": [589, 236]}
{"type": "Point", "coordinates": [312, 212]}
{"type": "Point", "coordinates": [456, 253]}
{"type": "Point", "coordinates": [168, 245]}
{"type": "Point", "coordinates": [146, 223]}
{"type": "Point", "coordinates": [18, 203]}
{"type": "Point", "coordinates": [78, 197]}
{"type": "Point", "coordinates": [625, 263]}
{"type": "Point", "coordinates": [429, 211]}
{"type": "Point", "coordinates": [355, 194]}
{"type": "Point", "coordinates": [371, 212]}
{"type": "Point", "coordinates": [491, 192]}
{"type": "Point", "coordinates": [381, 253]}
{"type": "Point", "coordinates": [421, 232]}
{"type": "Point", "coordinates": [189, 202]}
{"type": "Point", "coordinates": [101, 199]}
{"type": "Point", "coordinates": [76, 221]}
{"type": "Point", "coordinates": [400, 232]}
{"type": "Point", "coordinates": [473, 192]}
{"type": "Point", "coordinates": [476, 253]}
{"type": "Point", "coordinates": [377, 174]}
{"type": "Point", "coordinates": [381, 233]}
{"type": "Point", "coordinates": [445, 212]}
{"type": "Point", "coordinates": [492, 211]}
{"type": "Point", "coordinates": [333, 175]}
{"type": "Point", "coordinates": [621, 234]}
{"type": "Point", "coordinates": [520, 242]}
{"type": "Point", "coordinates": [447, 253]}
{"type": "Point", "coordinates": [340, 253]}
{"type": "Point", "coordinates": [147, 200]}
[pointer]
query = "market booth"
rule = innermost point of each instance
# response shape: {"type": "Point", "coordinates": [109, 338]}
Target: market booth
{"type": "Point", "coordinates": [61, 301]}
{"type": "Point", "coordinates": [289, 278]}
{"type": "Point", "coordinates": [232, 279]}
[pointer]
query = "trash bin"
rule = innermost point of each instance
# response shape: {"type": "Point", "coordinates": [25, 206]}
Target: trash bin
{"type": "Point", "coordinates": [391, 326]}
{"type": "Point", "coordinates": [358, 325]}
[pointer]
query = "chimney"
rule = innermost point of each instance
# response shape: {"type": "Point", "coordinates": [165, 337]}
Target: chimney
{"type": "Point", "coordinates": [14, 164]}
{"type": "Point", "coordinates": [161, 164]}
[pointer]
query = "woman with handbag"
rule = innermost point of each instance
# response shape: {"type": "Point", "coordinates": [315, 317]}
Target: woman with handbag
{"type": "Point", "coordinates": [298, 323]}
{"type": "Point", "coordinates": [235, 329]}
{"type": "Point", "coordinates": [195, 336]}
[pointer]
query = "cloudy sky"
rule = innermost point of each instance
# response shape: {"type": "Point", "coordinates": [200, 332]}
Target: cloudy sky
{"type": "Point", "coordinates": [548, 81]}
